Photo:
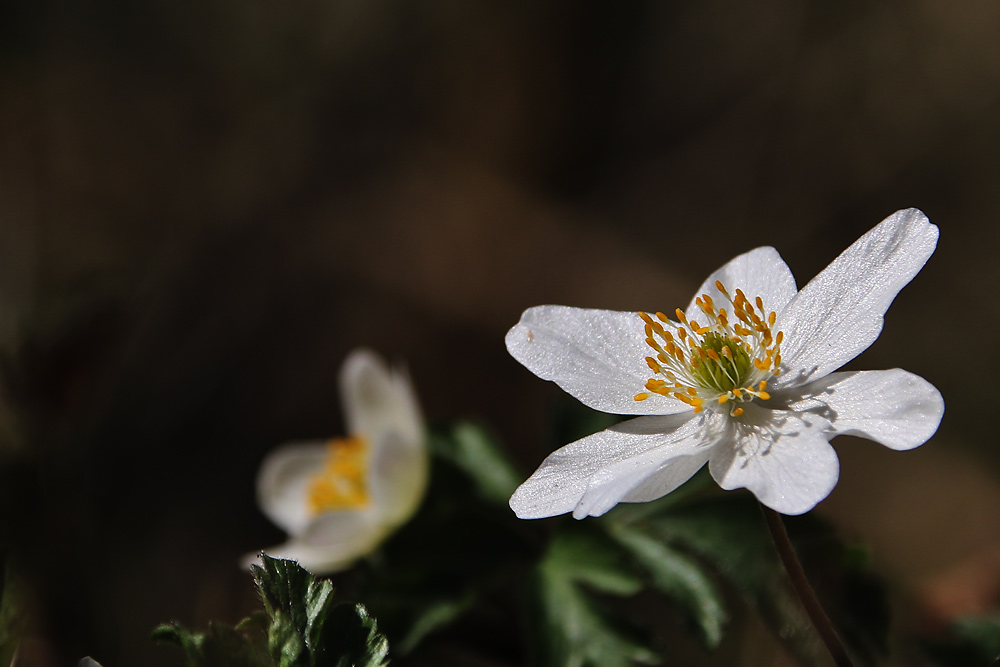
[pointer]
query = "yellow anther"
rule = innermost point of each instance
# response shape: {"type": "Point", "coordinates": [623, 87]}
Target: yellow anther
{"type": "Point", "coordinates": [717, 362]}
{"type": "Point", "coordinates": [343, 482]}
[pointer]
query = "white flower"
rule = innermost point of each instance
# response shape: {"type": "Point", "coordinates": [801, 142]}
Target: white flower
{"type": "Point", "coordinates": [339, 499]}
{"type": "Point", "coordinates": [741, 380]}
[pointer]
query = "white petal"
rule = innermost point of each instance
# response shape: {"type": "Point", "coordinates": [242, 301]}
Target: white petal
{"type": "Point", "coordinates": [760, 272]}
{"type": "Point", "coordinates": [839, 313]}
{"type": "Point", "coordinates": [378, 399]}
{"type": "Point", "coordinates": [283, 481]}
{"type": "Point", "coordinates": [598, 356]}
{"type": "Point", "coordinates": [592, 474]}
{"type": "Point", "coordinates": [782, 457]}
{"type": "Point", "coordinates": [397, 478]}
{"type": "Point", "coordinates": [333, 541]}
{"type": "Point", "coordinates": [896, 408]}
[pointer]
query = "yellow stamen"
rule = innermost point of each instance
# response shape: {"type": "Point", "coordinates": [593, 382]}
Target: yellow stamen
{"type": "Point", "coordinates": [343, 482]}
{"type": "Point", "coordinates": [717, 362]}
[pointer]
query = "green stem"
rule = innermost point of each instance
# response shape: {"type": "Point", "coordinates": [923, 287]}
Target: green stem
{"type": "Point", "coordinates": [804, 590]}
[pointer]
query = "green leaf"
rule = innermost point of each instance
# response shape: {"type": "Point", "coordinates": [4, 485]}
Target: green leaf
{"type": "Point", "coordinates": [971, 642]}
{"type": "Point", "coordinates": [681, 578]}
{"type": "Point", "coordinates": [476, 452]}
{"type": "Point", "coordinates": [729, 532]}
{"type": "Point", "coordinates": [568, 626]}
{"type": "Point", "coordinates": [301, 626]}
{"type": "Point", "coordinates": [589, 558]}
{"type": "Point", "coordinates": [308, 628]}
{"type": "Point", "coordinates": [221, 646]}
{"type": "Point", "coordinates": [434, 615]}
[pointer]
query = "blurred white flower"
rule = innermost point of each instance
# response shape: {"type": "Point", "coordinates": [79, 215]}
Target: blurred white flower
{"type": "Point", "coordinates": [339, 499]}
{"type": "Point", "coordinates": [741, 380]}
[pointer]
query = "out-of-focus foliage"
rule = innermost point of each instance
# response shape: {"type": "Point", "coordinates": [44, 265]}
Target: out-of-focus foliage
{"type": "Point", "coordinates": [11, 613]}
{"type": "Point", "coordinates": [728, 533]}
{"type": "Point", "coordinates": [568, 625]}
{"type": "Point", "coordinates": [465, 571]}
{"type": "Point", "coordinates": [970, 642]}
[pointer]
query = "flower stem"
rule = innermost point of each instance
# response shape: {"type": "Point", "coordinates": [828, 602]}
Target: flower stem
{"type": "Point", "coordinates": [804, 590]}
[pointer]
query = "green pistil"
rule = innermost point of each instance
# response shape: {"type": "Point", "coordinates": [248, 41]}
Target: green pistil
{"type": "Point", "coordinates": [725, 374]}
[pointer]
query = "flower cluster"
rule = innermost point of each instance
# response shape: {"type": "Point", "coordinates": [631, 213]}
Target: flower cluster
{"type": "Point", "coordinates": [741, 380]}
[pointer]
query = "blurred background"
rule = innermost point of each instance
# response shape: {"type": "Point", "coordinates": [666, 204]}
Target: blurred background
{"type": "Point", "coordinates": [205, 205]}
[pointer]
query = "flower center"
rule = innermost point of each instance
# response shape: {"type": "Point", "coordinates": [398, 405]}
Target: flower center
{"type": "Point", "coordinates": [722, 361]}
{"type": "Point", "coordinates": [343, 482]}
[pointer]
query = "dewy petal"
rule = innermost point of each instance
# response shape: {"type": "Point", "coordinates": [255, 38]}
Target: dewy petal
{"type": "Point", "coordinates": [839, 313]}
{"type": "Point", "coordinates": [895, 408]}
{"type": "Point", "coordinates": [782, 457]}
{"type": "Point", "coordinates": [760, 272]}
{"type": "Point", "coordinates": [597, 356]}
{"type": "Point", "coordinates": [589, 476]}
{"type": "Point", "coordinates": [283, 481]}
{"type": "Point", "coordinates": [333, 541]}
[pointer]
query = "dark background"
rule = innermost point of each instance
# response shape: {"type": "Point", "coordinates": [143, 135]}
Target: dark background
{"type": "Point", "coordinates": [205, 205]}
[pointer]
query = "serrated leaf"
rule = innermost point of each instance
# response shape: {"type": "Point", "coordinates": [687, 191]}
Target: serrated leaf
{"type": "Point", "coordinates": [681, 578]}
{"type": "Point", "coordinates": [308, 628]}
{"type": "Point", "coordinates": [476, 452]}
{"type": "Point", "coordinates": [568, 626]}
{"type": "Point", "coordinates": [349, 637]}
